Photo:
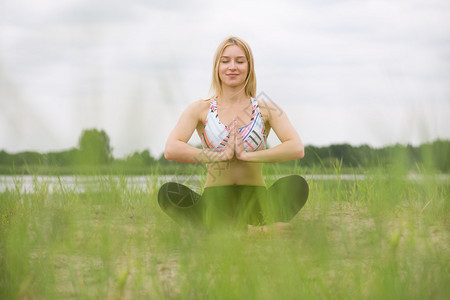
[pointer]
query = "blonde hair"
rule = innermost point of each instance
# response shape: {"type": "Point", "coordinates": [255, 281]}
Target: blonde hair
{"type": "Point", "coordinates": [250, 81]}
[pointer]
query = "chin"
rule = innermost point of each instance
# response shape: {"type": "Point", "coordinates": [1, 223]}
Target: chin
{"type": "Point", "coordinates": [233, 84]}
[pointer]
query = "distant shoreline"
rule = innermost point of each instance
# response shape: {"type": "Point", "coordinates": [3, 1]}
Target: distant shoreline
{"type": "Point", "coordinates": [93, 183]}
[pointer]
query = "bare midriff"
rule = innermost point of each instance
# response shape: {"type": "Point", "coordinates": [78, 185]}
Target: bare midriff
{"type": "Point", "coordinates": [234, 172]}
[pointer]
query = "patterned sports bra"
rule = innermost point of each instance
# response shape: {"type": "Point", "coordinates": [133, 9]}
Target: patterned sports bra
{"type": "Point", "coordinates": [215, 134]}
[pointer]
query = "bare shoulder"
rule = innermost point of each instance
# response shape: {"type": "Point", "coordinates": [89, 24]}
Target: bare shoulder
{"type": "Point", "coordinates": [269, 109]}
{"type": "Point", "coordinates": [203, 103]}
{"type": "Point", "coordinates": [198, 108]}
{"type": "Point", "coordinates": [199, 105]}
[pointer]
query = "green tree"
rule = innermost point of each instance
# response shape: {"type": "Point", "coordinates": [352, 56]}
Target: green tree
{"type": "Point", "coordinates": [63, 158]}
{"type": "Point", "coordinates": [140, 158]}
{"type": "Point", "coordinates": [6, 159]}
{"type": "Point", "coordinates": [94, 147]}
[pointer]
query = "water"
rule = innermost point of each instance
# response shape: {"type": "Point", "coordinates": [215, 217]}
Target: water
{"type": "Point", "coordinates": [80, 184]}
{"type": "Point", "coordinates": [30, 183]}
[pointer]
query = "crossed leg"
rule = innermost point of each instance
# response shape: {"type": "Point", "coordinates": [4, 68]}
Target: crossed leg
{"type": "Point", "coordinates": [284, 200]}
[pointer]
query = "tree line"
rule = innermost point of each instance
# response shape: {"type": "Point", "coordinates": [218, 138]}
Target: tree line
{"type": "Point", "coordinates": [94, 154]}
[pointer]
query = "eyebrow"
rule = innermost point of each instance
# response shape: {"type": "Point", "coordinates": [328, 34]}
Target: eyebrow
{"type": "Point", "coordinates": [242, 56]}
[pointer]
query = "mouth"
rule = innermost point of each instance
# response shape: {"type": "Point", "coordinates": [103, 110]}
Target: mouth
{"type": "Point", "coordinates": [232, 75]}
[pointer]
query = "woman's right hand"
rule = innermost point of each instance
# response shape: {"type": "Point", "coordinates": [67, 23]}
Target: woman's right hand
{"type": "Point", "coordinates": [229, 153]}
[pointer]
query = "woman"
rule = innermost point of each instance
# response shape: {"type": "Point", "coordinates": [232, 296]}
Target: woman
{"type": "Point", "coordinates": [233, 127]}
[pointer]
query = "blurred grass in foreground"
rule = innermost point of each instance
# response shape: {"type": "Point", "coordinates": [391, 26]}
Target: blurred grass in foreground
{"type": "Point", "coordinates": [382, 237]}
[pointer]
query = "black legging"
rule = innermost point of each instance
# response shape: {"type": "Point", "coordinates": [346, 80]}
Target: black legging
{"type": "Point", "coordinates": [234, 205]}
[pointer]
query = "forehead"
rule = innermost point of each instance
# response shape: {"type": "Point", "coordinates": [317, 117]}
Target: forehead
{"type": "Point", "coordinates": [233, 51]}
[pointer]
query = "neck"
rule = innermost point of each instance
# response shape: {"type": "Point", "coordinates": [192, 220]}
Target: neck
{"type": "Point", "coordinates": [233, 95]}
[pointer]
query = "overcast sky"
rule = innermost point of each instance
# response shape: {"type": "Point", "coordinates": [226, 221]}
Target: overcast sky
{"type": "Point", "coordinates": [359, 72]}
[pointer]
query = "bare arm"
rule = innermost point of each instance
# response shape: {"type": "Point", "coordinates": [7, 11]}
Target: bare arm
{"type": "Point", "coordinates": [178, 149]}
{"type": "Point", "coordinates": [291, 146]}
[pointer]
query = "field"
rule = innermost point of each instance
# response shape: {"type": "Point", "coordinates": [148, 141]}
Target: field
{"type": "Point", "coordinates": [383, 236]}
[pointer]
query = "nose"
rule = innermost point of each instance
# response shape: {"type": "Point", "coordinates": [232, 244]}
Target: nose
{"type": "Point", "coordinates": [232, 65]}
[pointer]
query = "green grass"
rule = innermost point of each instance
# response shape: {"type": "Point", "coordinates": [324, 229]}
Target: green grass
{"type": "Point", "coordinates": [384, 237]}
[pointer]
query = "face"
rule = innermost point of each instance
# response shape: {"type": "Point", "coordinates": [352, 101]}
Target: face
{"type": "Point", "coordinates": [233, 66]}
